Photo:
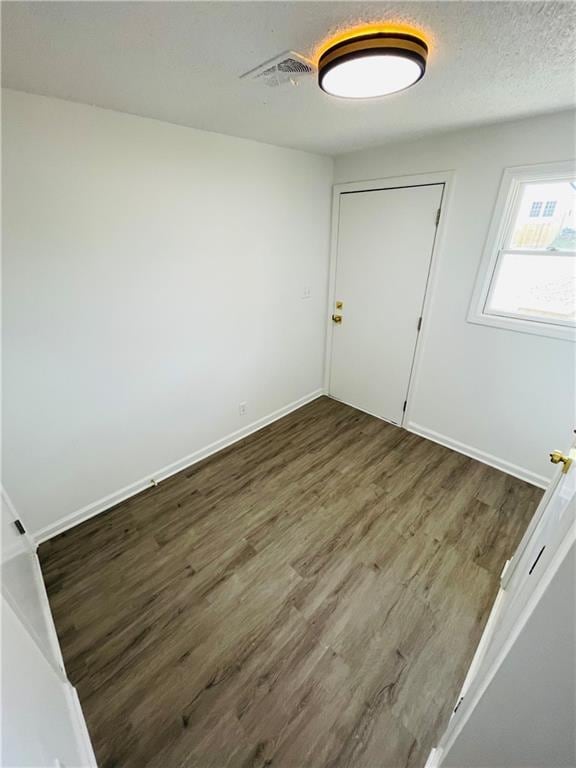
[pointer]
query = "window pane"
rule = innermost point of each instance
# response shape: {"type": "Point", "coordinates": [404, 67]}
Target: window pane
{"type": "Point", "coordinates": [545, 217]}
{"type": "Point", "coordinates": [542, 287]}
{"type": "Point", "coordinates": [549, 208]}
{"type": "Point", "coordinates": [535, 209]}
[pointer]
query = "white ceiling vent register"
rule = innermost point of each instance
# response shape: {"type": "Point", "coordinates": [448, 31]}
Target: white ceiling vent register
{"type": "Point", "coordinates": [284, 68]}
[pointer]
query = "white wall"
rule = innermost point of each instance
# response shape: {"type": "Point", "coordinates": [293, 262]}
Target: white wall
{"type": "Point", "coordinates": [527, 715]}
{"type": "Point", "coordinates": [22, 585]}
{"type": "Point", "coordinates": [23, 588]}
{"type": "Point", "coordinates": [154, 277]}
{"type": "Point", "coordinates": [41, 720]}
{"type": "Point", "coordinates": [504, 395]}
{"type": "Point", "coordinates": [13, 543]}
{"type": "Point", "coordinates": [41, 717]}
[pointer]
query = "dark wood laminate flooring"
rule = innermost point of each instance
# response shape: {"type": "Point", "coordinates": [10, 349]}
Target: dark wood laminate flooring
{"type": "Point", "coordinates": [311, 596]}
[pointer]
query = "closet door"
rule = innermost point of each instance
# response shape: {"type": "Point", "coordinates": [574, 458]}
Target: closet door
{"type": "Point", "coordinates": [384, 249]}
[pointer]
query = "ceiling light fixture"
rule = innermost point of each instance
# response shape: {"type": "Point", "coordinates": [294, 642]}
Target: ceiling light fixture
{"type": "Point", "coordinates": [371, 65]}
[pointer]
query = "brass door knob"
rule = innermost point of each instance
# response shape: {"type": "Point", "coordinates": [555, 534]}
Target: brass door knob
{"type": "Point", "coordinates": [557, 456]}
{"type": "Point", "coordinates": [337, 319]}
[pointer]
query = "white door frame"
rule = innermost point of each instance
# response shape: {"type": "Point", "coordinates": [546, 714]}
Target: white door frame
{"type": "Point", "coordinates": [392, 182]}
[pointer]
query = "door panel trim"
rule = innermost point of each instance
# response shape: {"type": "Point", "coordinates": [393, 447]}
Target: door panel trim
{"type": "Point", "coordinates": [372, 185]}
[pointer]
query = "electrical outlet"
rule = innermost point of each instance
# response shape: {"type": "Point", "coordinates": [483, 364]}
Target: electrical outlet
{"type": "Point", "coordinates": [307, 292]}
{"type": "Point", "coordinates": [242, 408]}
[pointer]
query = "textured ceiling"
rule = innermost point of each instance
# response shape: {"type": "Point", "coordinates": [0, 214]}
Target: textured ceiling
{"type": "Point", "coordinates": [181, 61]}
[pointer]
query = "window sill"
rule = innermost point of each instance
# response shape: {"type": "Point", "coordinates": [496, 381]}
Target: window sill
{"type": "Point", "coordinates": [533, 327]}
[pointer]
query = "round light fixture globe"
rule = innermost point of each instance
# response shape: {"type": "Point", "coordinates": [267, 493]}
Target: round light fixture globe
{"type": "Point", "coordinates": [372, 65]}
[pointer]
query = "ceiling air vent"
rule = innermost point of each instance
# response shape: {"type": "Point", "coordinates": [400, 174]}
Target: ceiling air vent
{"type": "Point", "coordinates": [281, 69]}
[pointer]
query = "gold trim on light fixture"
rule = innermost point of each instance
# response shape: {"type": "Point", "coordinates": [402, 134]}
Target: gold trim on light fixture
{"type": "Point", "coordinates": [360, 46]}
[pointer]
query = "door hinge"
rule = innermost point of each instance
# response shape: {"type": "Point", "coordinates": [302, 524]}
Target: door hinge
{"type": "Point", "coordinates": [438, 212]}
{"type": "Point", "coordinates": [419, 324]}
{"type": "Point", "coordinates": [404, 406]}
{"type": "Point", "coordinates": [19, 527]}
{"type": "Point", "coordinates": [460, 700]}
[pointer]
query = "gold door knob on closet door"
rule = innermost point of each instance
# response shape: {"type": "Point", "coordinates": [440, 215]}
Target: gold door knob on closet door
{"type": "Point", "coordinates": [557, 456]}
{"type": "Point", "coordinates": [337, 319]}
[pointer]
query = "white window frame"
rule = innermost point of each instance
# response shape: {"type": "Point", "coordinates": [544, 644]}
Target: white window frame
{"type": "Point", "coordinates": [504, 210]}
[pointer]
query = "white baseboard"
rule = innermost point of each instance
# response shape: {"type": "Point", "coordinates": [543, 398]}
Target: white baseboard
{"type": "Point", "coordinates": [474, 453]}
{"type": "Point", "coordinates": [90, 510]}
{"type": "Point", "coordinates": [434, 758]}
{"type": "Point", "coordinates": [83, 742]}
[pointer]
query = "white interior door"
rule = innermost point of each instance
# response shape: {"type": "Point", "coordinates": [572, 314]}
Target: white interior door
{"type": "Point", "coordinates": [540, 544]}
{"type": "Point", "coordinates": [543, 539]}
{"type": "Point", "coordinates": [544, 546]}
{"type": "Point", "coordinates": [384, 249]}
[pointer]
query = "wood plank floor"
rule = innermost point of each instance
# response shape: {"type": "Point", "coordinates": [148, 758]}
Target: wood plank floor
{"type": "Point", "coordinates": [309, 597]}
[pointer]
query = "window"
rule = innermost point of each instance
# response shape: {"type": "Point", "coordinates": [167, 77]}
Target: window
{"type": "Point", "coordinates": [535, 209]}
{"type": "Point", "coordinates": [527, 281]}
{"type": "Point", "coordinates": [549, 208]}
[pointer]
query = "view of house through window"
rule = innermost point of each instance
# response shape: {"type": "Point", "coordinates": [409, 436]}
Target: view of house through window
{"type": "Point", "coordinates": [535, 273]}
